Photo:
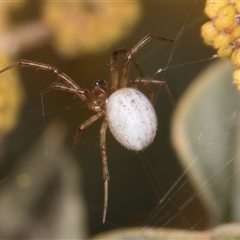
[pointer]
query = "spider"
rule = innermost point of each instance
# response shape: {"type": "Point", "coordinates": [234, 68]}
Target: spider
{"type": "Point", "coordinates": [127, 112]}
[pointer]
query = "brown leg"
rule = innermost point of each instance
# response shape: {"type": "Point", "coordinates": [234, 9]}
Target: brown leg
{"type": "Point", "coordinates": [62, 87]}
{"type": "Point", "coordinates": [159, 82]}
{"type": "Point", "coordinates": [114, 67]}
{"type": "Point", "coordinates": [64, 77]}
{"type": "Point", "coordinates": [135, 82]}
{"type": "Point", "coordinates": [106, 176]}
{"type": "Point", "coordinates": [86, 96]}
{"type": "Point", "coordinates": [136, 48]}
{"type": "Point", "coordinates": [84, 125]}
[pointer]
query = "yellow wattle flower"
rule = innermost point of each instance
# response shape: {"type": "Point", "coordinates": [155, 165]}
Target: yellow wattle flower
{"type": "Point", "coordinates": [223, 31]}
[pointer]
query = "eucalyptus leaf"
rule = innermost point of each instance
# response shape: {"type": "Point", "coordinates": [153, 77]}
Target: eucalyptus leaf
{"type": "Point", "coordinates": [205, 135]}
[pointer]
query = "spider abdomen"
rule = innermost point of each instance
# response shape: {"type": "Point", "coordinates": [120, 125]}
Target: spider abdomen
{"type": "Point", "coordinates": [131, 118]}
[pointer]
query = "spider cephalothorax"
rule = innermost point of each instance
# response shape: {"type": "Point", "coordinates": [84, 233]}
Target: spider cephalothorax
{"type": "Point", "coordinates": [100, 93]}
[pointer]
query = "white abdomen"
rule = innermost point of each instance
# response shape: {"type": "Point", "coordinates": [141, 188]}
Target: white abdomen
{"type": "Point", "coordinates": [131, 118]}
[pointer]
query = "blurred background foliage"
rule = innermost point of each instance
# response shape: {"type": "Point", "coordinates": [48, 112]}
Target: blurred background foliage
{"type": "Point", "coordinates": [79, 37]}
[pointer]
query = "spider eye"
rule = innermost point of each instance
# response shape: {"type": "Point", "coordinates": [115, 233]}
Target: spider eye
{"type": "Point", "coordinates": [99, 82]}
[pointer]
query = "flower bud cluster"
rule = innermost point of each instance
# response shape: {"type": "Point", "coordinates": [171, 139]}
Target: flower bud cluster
{"type": "Point", "coordinates": [223, 31]}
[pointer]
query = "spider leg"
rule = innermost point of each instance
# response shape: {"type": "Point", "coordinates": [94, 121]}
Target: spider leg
{"type": "Point", "coordinates": [135, 82]}
{"type": "Point", "coordinates": [136, 48]}
{"type": "Point", "coordinates": [106, 176]}
{"type": "Point", "coordinates": [114, 67]}
{"type": "Point", "coordinates": [46, 67]}
{"type": "Point", "coordinates": [159, 82]}
{"type": "Point", "coordinates": [84, 125]}
{"type": "Point", "coordinates": [59, 86]}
